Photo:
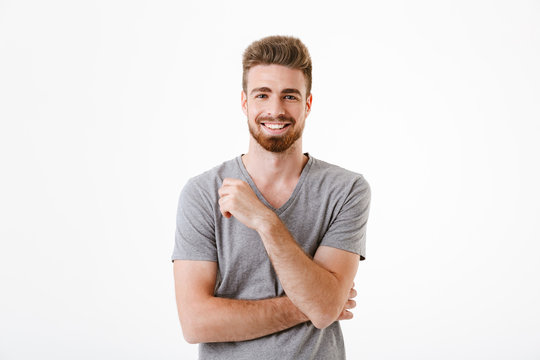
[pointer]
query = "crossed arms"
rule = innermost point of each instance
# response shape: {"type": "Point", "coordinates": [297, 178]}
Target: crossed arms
{"type": "Point", "coordinates": [318, 290]}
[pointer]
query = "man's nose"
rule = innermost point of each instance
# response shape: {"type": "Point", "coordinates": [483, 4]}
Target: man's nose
{"type": "Point", "coordinates": [275, 107]}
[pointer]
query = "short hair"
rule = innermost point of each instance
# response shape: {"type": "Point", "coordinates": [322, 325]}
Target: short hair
{"type": "Point", "coordinates": [280, 50]}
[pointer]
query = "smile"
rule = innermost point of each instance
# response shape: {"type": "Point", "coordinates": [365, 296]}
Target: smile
{"type": "Point", "coordinates": [274, 126]}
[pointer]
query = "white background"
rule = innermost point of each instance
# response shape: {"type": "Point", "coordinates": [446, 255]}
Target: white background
{"type": "Point", "coordinates": [108, 107]}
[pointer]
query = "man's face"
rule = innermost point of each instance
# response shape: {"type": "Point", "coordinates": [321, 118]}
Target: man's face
{"type": "Point", "coordinates": [276, 105]}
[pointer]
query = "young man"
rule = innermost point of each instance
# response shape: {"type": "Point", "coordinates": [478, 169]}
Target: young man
{"type": "Point", "coordinates": [268, 244]}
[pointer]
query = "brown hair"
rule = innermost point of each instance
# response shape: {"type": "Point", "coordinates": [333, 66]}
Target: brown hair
{"type": "Point", "coordinates": [281, 50]}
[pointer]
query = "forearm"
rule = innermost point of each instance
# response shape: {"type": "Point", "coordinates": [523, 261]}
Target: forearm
{"type": "Point", "coordinates": [221, 320]}
{"type": "Point", "coordinates": [312, 288]}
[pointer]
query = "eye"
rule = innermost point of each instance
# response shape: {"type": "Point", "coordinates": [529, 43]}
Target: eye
{"type": "Point", "coordinates": [290, 97]}
{"type": "Point", "coordinates": [261, 96]}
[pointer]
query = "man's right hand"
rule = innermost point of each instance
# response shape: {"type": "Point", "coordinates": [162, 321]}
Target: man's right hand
{"type": "Point", "coordinates": [349, 304]}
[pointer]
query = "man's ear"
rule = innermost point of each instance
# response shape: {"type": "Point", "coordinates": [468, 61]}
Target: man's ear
{"type": "Point", "coordinates": [244, 102]}
{"type": "Point", "coordinates": [308, 104]}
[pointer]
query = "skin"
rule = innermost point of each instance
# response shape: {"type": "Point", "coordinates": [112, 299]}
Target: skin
{"type": "Point", "coordinates": [319, 289]}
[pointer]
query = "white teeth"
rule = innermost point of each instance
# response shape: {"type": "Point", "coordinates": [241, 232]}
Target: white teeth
{"type": "Point", "coordinates": [275, 126]}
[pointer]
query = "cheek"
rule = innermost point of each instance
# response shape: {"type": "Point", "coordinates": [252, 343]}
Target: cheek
{"type": "Point", "coordinates": [298, 113]}
{"type": "Point", "coordinates": [253, 112]}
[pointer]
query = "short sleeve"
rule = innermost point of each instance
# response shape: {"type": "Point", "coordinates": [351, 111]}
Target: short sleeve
{"type": "Point", "coordinates": [348, 229]}
{"type": "Point", "coordinates": [195, 229]}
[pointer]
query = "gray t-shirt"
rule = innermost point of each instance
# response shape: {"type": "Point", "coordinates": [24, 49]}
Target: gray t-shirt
{"type": "Point", "coordinates": [329, 206]}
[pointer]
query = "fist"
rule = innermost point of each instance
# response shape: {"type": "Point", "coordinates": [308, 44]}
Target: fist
{"type": "Point", "coordinates": [236, 198]}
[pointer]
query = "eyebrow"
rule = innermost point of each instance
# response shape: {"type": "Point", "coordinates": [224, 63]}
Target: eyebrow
{"type": "Point", "coordinates": [260, 89]}
{"type": "Point", "coordinates": [284, 91]}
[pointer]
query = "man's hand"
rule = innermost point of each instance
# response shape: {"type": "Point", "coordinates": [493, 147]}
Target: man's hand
{"type": "Point", "coordinates": [349, 304]}
{"type": "Point", "coordinates": [236, 198]}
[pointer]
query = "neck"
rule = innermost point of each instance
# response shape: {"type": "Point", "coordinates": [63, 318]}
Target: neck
{"type": "Point", "coordinates": [267, 167]}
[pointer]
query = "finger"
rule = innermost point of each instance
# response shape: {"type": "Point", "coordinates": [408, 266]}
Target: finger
{"type": "Point", "coordinates": [223, 208]}
{"type": "Point", "coordinates": [231, 181]}
{"type": "Point", "coordinates": [352, 293]}
{"type": "Point", "coordinates": [350, 304]}
{"type": "Point", "coordinates": [345, 315]}
{"type": "Point", "coordinates": [226, 214]}
{"type": "Point", "coordinates": [226, 188]}
{"type": "Point", "coordinates": [223, 191]}
{"type": "Point", "coordinates": [229, 189]}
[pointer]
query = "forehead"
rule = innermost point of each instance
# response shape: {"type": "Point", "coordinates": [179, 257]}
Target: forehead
{"type": "Point", "coordinates": [276, 77]}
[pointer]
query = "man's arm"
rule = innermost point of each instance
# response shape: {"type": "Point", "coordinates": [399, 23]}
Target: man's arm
{"type": "Point", "coordinates": [205, 318]}
{"type": "Point", "coordinates": [318, 286]}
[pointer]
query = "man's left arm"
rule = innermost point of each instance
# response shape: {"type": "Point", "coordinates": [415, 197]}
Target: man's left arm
{"type": "Point", "coordinates": [318, 287]}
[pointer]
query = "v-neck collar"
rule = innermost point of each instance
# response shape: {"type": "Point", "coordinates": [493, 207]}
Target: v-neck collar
{"type": "Point", "coordinates": [296, 190]}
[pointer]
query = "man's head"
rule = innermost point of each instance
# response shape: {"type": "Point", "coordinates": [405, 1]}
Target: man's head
{"type": "Point", "coordinates": [276, 96]}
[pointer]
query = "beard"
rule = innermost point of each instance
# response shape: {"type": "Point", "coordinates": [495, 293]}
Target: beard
{"type": "Point", "coordinates": [276, 144]}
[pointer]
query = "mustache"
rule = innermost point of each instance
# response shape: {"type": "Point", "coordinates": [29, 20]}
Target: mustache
{"type": "Point", "coordinates": [263, 118]}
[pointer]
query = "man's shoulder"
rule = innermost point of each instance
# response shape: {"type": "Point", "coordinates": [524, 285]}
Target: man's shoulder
{"type": "Point", "coordinates": [335, 175]}
{"type": "Point", "coordinates": [213, 178]}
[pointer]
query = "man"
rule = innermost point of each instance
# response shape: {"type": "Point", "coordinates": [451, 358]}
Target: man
{"type": "Point", "coordinates": [268, 244]}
